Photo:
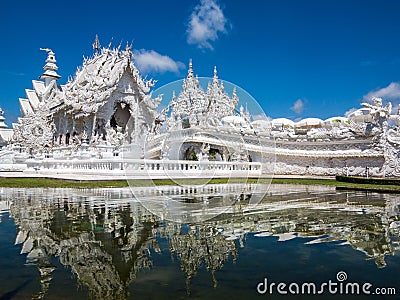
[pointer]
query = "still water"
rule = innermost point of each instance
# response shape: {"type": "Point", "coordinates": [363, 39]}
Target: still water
{"type": "Point", "coordinates": [103, 244]}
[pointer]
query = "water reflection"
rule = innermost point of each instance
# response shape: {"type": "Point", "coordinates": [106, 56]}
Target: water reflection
{"type": "Point", "coordinates": [197, 203]}
{"type": "Point", "coordinates": [105, 237]}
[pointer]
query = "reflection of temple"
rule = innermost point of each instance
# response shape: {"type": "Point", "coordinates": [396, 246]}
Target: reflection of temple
{"type": "Point", "coordinates": [4, 207]}
{"type": "Point", "coordinates": [196, 246]}
{"type": "Point", "coordinates": [106, 238]}
{"type": "Point", "coordinates": [357, 219]}
{"type": "Point", "coordinates": [104, 245]}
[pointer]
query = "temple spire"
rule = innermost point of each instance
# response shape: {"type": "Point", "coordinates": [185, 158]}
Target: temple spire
{"type": "Point", "coordinates": [50, 68]}
{"type": "Point", "coordinates": [190, 70]}
{"type": "Point", "coordinates": [215, 79]}
{"type": "Point", "coordinates": [128, 47]}
{"type": "Point", "coordinates": [96, 44]}
{"type": "Point", "coordinates": [2, 124]}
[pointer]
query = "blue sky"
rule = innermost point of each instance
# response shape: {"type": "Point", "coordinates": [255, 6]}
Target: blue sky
{"type": "Point", "coordinates": [296, 58]}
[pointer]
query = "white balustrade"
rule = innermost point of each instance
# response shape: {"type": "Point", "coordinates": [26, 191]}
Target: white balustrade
{"type": "Point", "coordinates": [168, 168]}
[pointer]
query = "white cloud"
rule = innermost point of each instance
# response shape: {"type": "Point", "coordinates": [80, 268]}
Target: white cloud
{"type": "Point", "coordinates": [389, 93]}
{"type": "Point", "coordinates": [150, 60]}
{"type": "Point", "coordinates": [350, 111]}
{"type": "Point", "coordinates": [298, 106]}
{"type": "Point", "coordinates": [206, 21]}
{"type": "Point", "coordinates": [261, 117]}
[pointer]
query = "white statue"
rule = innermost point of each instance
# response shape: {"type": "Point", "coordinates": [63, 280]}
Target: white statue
{"type": "Point", "coordinates": [379, 113]}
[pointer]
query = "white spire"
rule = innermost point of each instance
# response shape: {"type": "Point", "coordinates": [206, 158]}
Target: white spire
{"type": "Point", "coordinates": [215, 78]}
{"type": "Point", "coordinates": [50, 68]}
{"type": "Point", "coordinates": [190, 70]}
{"type": "Point", "coordinates": [96, 45]}
{"type": "Point", "coordinates": [2, 124]}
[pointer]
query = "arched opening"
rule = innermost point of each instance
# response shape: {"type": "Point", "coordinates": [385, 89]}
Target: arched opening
{"type": "Point", "coordinates": [215, 154]}
{"type": "Point", "coordinates": [121, 116]}
{"type": "Point", "coordinates": [185, 122]}
{"type": "Point", "coordinates": [190, 154]}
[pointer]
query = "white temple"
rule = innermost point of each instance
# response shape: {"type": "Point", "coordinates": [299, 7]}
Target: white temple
{"type": "Point", "coordinates": [92, 108]}
{"type": "Point", "coordinates": [5, 132]}
{"type": "Point", "coordinates": [105, 119]}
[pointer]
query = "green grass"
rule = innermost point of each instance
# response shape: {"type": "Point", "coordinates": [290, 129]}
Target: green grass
{"type": "Point", "coordinates": [57, 183]}
{"type": "Point", "coordinates": [387, 188]}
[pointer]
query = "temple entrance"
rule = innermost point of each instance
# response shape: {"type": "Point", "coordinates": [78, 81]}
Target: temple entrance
{"type": "Point", "coordinates": [190, 154]}
{"type": "Point", "coordinates": [215, 155]}
{"type": "Point", "coordinates": [121, 116]}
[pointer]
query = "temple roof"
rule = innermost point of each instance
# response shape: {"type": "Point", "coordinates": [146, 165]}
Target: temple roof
{"type": "Point", "coordinates": [98, 77]}
{"type": "Point", "coordinates": [195, 103]}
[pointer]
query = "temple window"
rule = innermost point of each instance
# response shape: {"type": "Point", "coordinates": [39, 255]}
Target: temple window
{"type": "Point", "coordinates": [67, 136]}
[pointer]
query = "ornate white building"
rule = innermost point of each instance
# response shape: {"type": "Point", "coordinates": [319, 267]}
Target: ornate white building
{"type": "Point", "coordinates": [5, 132]}
{"type": "Point", "coordinates": [107, 109]}
{"type": "Point", "coordinates": [106, 103]}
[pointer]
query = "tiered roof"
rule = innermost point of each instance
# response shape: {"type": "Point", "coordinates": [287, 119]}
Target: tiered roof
{"type": "Point", "coordinates": [201, 107]}
{"type": "Point", "coordinates": [91, 86]}
{"type": "Point", "coordinates": [98, 78]}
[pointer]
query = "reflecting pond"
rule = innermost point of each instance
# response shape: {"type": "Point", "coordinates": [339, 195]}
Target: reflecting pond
{"type": "Point", "coordinates": [105, 244]}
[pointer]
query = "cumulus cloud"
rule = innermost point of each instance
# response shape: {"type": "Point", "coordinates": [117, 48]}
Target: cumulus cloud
{"type": "Point", "coordinates": [298, 106]}
{"type": "Point", "coordinates": [152, 61]}
{"type": "Point", "coordinates": [390, 93]}
{"type": "Point", "coordinates": [206, 21]}
{"type": "Point", "coordinates": [349, 112]}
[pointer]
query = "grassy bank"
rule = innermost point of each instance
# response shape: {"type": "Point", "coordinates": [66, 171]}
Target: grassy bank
{"type": "Point", "coordinates": [56, 183]}
{"type": "Point", "coordinates": [61, 183]}
{"type": "Point", "coordinates": [360, 186]}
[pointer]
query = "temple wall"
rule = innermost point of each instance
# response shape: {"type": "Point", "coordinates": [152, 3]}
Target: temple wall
{"type": "Point", "coordinates": [328, 166]}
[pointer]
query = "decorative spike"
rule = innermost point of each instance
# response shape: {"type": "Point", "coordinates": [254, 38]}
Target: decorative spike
{"type": "Point", "coordinates": [96, 44]}
{"type": "Point", "coordinates": [215, 78]}
{"type": "Point", "coordinates": [128, 47]}
{"type": "Point", "coordinates": [190, 70]}
{"type": "Point", "coordinates": [109, 45]}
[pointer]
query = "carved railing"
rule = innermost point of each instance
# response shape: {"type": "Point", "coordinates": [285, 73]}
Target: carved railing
{"type": "Point", "coordinates": [141, 167]}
